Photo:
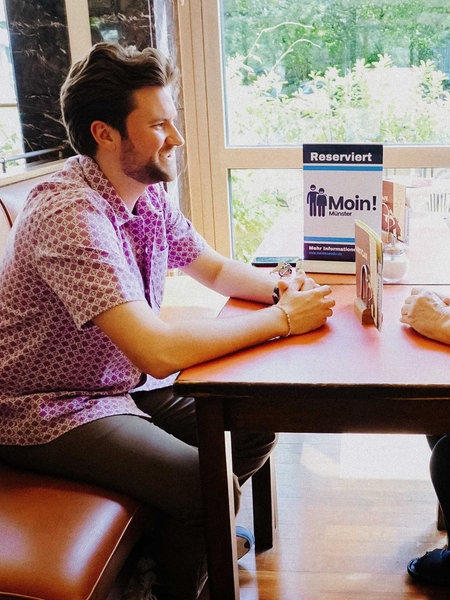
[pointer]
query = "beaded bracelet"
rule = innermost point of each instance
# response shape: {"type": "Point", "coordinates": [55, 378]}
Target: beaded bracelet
{"type": "Point", "coordinates": [288, 319]}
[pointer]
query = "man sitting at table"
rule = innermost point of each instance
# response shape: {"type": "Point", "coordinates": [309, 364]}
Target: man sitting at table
{"type": "Point", "coordinates": [86, 364]}
{"type": "Point", "coordinates": [429, 314]}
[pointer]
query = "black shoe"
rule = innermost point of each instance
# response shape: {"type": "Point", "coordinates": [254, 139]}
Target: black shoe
{"type": "Point", "coordinates": [433, 567]}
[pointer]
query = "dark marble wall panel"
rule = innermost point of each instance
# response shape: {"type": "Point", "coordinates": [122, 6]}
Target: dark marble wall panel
{"type": "Point", "coordinates": [127, 22]}
{"type": "Point", "coordinates": [41, 57]}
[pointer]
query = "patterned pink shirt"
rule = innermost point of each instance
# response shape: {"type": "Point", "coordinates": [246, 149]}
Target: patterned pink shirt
{"type": "Point", "coordinates": [74, 252]}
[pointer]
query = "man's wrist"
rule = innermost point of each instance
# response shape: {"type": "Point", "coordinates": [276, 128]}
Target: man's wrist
{"type": "Point", "coordinates": [287, 319]}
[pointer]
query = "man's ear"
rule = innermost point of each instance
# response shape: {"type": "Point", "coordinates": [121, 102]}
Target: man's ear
{"type": "Point", "coordinates": [105, 135]}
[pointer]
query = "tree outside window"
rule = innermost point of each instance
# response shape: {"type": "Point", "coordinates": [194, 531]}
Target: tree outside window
{"type": "Point", "coordinates": [337, 71]}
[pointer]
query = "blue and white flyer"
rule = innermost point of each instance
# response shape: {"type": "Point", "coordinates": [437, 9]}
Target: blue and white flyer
{"type": "Point", "coordinates": [341, 183]}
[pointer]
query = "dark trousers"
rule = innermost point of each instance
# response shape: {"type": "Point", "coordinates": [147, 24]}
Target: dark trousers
{"type": "Point", "coordinates": [440, 473]}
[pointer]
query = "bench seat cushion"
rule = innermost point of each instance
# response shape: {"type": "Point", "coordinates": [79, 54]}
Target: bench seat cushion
{"type": "Point", "coordinates": [61, 539]}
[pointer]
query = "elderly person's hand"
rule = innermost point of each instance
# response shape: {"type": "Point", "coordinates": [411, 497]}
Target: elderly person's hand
{"type": "Point", "coordinates": [428, 313]}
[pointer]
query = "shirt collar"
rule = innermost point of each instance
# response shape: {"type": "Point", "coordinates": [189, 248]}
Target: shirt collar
{"type": "Point", "coordinates": [97, 180]}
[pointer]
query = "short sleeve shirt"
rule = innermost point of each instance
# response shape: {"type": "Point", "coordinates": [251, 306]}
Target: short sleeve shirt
{"type": "Point", "coordinates": [74, 252]}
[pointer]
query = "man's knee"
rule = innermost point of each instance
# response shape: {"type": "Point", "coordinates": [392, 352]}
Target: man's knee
{"type": "Point", "coordinates": [249, 444]}
{"type": "Point", "coordinates": [250, 452]}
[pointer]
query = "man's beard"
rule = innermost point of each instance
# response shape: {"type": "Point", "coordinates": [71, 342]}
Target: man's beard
{"type": "Point", "coordinates": [147, 173]}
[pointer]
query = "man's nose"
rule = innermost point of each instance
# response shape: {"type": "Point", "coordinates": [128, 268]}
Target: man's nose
{"type": "Point", "coordinates": [175, 138]}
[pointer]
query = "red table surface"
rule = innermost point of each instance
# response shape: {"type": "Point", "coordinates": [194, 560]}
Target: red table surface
{"type": "Point", "coordinates": [342, 352]}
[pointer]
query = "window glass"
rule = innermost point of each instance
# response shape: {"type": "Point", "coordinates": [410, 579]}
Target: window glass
{"type": "Point", "coordinates": [267, 207]}
{"type": "Point", "coordinates": [10, 131]}
{"type": "Point", "coordinates": [336, 71]}
{"type": "Point", "coordinates": [264, 201]}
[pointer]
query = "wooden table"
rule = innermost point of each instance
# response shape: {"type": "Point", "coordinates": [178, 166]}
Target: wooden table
{"type": "Point", "coordinates": [344, 377]}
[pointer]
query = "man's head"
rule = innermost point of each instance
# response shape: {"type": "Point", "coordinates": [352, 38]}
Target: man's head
{"type": "Point", "coordinates": [102, 86]}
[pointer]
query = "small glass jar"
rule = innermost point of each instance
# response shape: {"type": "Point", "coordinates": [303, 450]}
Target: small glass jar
{"type": "Point", "coordinates": [395, 261]}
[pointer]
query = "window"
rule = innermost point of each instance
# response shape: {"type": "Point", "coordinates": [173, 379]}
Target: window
{"type": "Point", "coordinates": [336, 71]}
{"type": "Point", "coordinates": [269, 75]}
{"type": "Point", "coordinates": [10, 132]}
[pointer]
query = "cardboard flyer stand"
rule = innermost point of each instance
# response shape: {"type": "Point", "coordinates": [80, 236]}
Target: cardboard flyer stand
{"type": "Point", "coordinates": [341, 183]}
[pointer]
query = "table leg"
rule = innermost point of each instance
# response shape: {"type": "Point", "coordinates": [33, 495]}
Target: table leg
{"type": "Point", "coordinates": [265, 510]}
{"type": "Point", "coordinates": [214, 447]}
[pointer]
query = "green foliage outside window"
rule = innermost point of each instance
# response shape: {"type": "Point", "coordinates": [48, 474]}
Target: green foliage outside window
{"type": "Point", "coordinates": [259, 200]}
{"type": "Point", "coordinates": [314, 34]}
{"type": "Point", "coordinates": [371, 103]}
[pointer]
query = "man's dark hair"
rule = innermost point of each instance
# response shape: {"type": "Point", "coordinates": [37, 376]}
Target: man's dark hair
{"type": "Point", "coordinates": [101, 86]}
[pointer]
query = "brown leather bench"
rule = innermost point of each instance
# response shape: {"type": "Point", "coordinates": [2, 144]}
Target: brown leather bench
{"type": "Point", "coordinates": [63, 540]}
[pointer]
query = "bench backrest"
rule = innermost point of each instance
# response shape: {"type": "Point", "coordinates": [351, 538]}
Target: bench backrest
{"type": "Point", "coordinates": [12, 199]}
{"type": "Point", "coordinates": [5, 226]}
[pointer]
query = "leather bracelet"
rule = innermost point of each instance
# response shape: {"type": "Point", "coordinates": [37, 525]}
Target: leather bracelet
{"type": "Point", "coordinates": [288, 319]}
{"type": "Point", "coordinates": [276, 295]}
